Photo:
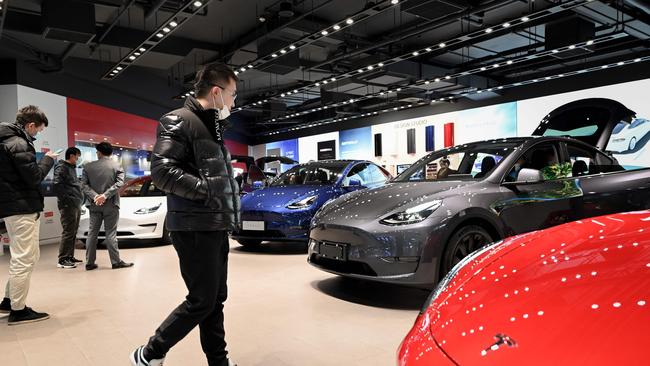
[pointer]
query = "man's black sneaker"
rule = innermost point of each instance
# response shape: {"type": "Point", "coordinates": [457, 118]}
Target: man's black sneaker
{"type": "Point", "coordinates": [66, 263]}
{"type": "Point", "coordinates": [27, 315]}
{"type": "Point", "coordinates": [5, 306]}
{"type": "Point", "coordinates": [75, 260]}
{"type": "Point", "coordinates": [90, 267]}
{"type": "Point", "coordinates": [122, 264]}
{"type": "Point", "coordinates": [137, 358]}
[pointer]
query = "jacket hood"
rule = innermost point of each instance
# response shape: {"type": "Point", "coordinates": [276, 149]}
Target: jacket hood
{"type": "Point", "coordinates": [8, 129]}
{"type": "Point", "coordinates": [376, 203]}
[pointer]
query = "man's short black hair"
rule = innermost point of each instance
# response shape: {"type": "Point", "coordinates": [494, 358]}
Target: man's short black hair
{"type": "Point", "coordinates": [213, 74]}
{"type": "Point", "coordinates": [105, 148]}
{"type": "Point", "coordinates": [31, 113]}
{"type": "Point", "coordinates": [71, 151]}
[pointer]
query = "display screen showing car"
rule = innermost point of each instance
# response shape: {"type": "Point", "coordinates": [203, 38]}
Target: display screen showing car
{"type": "Point", "coordinates": [453, 201]}
{"type": "Point", "coordinates": [283, 210]}
{"type": "Point", "coordinates": [575, 294]}
{"type": "Point", "coordinates": [143, 208]}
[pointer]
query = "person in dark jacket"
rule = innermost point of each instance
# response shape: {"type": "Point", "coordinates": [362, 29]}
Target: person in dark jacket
{"type": "Point", "coordinates": [192, 165]}
{"type": "Point", "coordinates": [68, 189]}
{"type": "Point", "coordinates": [21, 203]}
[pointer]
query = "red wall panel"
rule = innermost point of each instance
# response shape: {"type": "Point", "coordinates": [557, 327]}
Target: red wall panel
{"type": "Point", "coordinates": [449, 134]}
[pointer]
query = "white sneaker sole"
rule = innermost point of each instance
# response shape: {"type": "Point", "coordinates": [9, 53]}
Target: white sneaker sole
{"type": "Point", "coordinates": [65, 267]}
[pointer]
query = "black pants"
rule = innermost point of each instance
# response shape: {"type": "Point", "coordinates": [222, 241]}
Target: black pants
{"type": "Point", "coordinates": [203, 260]}
{"type": "Point", "coordinates": [70, 223]}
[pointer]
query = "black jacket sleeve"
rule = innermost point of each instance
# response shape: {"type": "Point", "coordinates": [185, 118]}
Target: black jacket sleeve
{"type": "Point", "coordinates": [60, 181]}
{"type": "Point", "coordinates": [170, 161]}
{"type": "Point", "coordinates": [24, 157]}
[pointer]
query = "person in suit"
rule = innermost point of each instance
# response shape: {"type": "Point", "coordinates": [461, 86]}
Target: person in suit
{"type": "Point", "coordinates": [101, 182]}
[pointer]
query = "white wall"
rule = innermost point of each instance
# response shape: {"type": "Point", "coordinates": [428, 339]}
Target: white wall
{"type": "Point", "coordinates": [8, 103]}
{"type": "Point", "coordinates": [308, 146]}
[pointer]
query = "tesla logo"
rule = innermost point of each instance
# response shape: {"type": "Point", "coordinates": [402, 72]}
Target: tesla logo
{"type": "Point", "coordinates": [501, 340]}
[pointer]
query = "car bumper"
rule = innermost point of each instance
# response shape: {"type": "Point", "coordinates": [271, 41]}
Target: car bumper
{"type": "Point", "coordinates": [408, 255]}
{"type": "Point", "coordinates": [277, 226]}
{"type": "Point", "coordinates": [126, 229]}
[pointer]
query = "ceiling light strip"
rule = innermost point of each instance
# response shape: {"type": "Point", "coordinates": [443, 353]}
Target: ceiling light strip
{"type": "Point", "coordinates": [477, 70]}
{"type": "Point", "coordinates": [158, 35]}
{"type": "Point", "coordinates": [445, 45]}
{"type": "Point", "coordinates": [325, 32]}
{"type": "Point", "coordinates": [449, 97]}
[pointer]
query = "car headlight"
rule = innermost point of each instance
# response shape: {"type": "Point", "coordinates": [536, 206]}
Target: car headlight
{"type": "Point", "coordinates": [454, 271]}
{"type": "Point", "coordinates": [303, 203]}
{"type": "Point", "coordinates": [413, 215]}
{"type": "Point", "coordinates": [148, 210]}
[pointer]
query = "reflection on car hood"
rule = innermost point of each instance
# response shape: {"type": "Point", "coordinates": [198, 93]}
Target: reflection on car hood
{"type": "Point", "coordinates": [377, 202]}
{"type": "Point", "coordinates": [272, 198]}
{"type": "Point", "coordinates": [573, 294]}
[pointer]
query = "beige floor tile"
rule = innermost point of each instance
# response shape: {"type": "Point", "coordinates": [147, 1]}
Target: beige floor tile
{"type": "Point", "coordinates": [280, 312]}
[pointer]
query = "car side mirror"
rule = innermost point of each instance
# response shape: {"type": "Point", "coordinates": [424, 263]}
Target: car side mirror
{"type": "Point", "coordinates": [528, 176]}
{"type": "Point", "coordinates": [258, 185]}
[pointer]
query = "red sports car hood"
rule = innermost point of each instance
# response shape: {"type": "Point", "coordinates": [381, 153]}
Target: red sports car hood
{"type": "Point", "coordinates": [576, 294]}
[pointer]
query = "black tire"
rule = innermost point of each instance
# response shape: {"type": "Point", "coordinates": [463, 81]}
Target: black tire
{"type": "Point", "coordinates": [463, 242]}
{"type": "Point", "coordinates": [249, 243]}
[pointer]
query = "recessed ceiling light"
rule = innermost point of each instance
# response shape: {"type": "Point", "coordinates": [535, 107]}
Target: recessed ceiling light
{"type": "Point", "coordinates": [572, 47]}
{"type": "Point", "coordinates": [489, 30]}
{"type": "Point", "coordinates": [525, 19]}
{"type": "Point", "coordinates": [292, 47]}
{"type": "Point", "coordinates": [394, 2]}
{"type": "Point", "coordinates": [621, 63]}
{"type": "Point", "coordinates": [142, 49]}
{"type": "Point", "coordinates": [119, 68]}
{"type": "Point", "coordinates": [415, 53]}
{"type": "Point", "coordinates": [198, 4]}
{"type": "Point", "coordinates": [243, 69]}
{"type": "Point", "coordinates": [442, 45]}
{"type": "Point", "coordinates": [274, 55]}
{"type": "Point", "coordinates": [324, 32]}
{"type": "Point", "coordinates": [506, 25]}
{"type": "Point", "coordinates": [166, 30]}
{"type": "Point", "coordinates": [381, 64]}
{"type": "Point", "coordinates": [283, 51]}
{"type": "Point", "coordinates": [556, 51]}
{"type": "Point", "coordinates": [437, 80]}
{"type": "Point", "coordinates": [131, 57]}
{"type": "Point", "coordinates": [637, 59]}
{"type": "Point", "coordinates": [159, 35]}
{"type": "Point", "coordinates": [495, 65]}
{"type": "Point", "coordinates": [509, 62]}
{"type": "Point", "coordinates": [427, 82]}
{"type": "Point", "coordinates": [173, 24]}
{"type": "Point", "coordinates": [250, 66]}
{"type": "Point", "coordinates": [590, 42]}
{"type": "Point", "coordinates": [483, 68]}
{"type": "Point", "coordinates": [137, 53]}
{"type": "Point", "coordinates": [349, 21]}
{"type": "Point", "coordinates": [336, 27]}
{"type": "Point", "coordinates": [447, 77]}
{"type": "Point", "coordinates": [370, 67]}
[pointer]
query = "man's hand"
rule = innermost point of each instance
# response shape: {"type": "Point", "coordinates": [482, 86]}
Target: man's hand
{"type": "Point", "coordinates": [52, 154]}
{"type": "Point", "coordinates": [100, 199]}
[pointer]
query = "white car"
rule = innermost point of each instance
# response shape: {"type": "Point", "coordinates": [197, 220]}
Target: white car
{"type": "Point", "coordinates": [143, 208]}
{"type": "Point", "coordinates": [626, 136]}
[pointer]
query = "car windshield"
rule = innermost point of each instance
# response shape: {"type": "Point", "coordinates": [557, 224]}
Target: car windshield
{"type": "Point", "coordinates": [470, 162]}
{"type": "Point", "coordinates": [311, 174]}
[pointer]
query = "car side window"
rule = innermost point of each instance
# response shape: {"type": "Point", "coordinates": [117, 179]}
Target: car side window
{"type": "Point", "coordinates": [585, 161]}
{"type": "Point", "coordinates": [377, 177]}
{"type": "Point", "coordinates": [359, 172]}
{"type": "Point", "coordinates": [544, 158]}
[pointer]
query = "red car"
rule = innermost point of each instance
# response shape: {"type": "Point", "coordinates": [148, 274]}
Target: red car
{"type": "Point", "coordinates": [575, 294]}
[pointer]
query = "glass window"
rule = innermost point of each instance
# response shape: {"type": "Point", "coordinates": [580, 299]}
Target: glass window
{"type": "Point", "coordinates": [311, 174]}
{"type": "Point", "coordinates": [475, 161]}
{"type": "Point", "coordinates": [360, 173]}
{"type": "Point", "coordinates": [377, 176]}
{"type": "Point", "coordinates": [543, 157]}
{"type": "Point", "coordinates": [586, 161]}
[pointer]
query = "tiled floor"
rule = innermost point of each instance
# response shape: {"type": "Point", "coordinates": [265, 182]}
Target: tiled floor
{"type": "Point", "coordinates": [280, 311]}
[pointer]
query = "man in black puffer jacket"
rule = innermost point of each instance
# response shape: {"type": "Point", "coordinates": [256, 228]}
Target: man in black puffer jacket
{"type": "Point", "coordinates": [21, 203]}
{"type": "Point", "coordinates": [192, 165]}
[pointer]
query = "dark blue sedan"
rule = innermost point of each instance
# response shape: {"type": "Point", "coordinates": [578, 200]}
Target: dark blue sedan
{"type": "Point", "coordinates": [283, 210]}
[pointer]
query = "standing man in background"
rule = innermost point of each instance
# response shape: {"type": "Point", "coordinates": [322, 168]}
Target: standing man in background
{"type": "Point", "coordinates": [21, 204]}
{"type": "Point", "coordinates": [70, 198]}
{"type": "Point", "coordinates": [192, 165]}
{"type": "Point", "coordinates": [106, 176]}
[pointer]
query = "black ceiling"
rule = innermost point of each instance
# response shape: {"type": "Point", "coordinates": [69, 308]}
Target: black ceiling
{"type": "Point", "coordinates": [389, 57]}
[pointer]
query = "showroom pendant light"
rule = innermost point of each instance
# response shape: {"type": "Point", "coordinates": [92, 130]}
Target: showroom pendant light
{"type": "Point", "coordinates": [465, 94]}
{"type": "Point", "coordinates": [476, 35]}
{"type": "Point", "coordinates": [477, 70]}
{"type": "Point", "coordinates": [163, 31]}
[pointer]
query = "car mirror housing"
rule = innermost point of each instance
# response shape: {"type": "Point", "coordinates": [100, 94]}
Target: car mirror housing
{"type": "Point", "coordinates": [528, 176]}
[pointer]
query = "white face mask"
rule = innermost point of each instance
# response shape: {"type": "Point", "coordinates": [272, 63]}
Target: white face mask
{"type": "Point", "coordinates": [224, 112]}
